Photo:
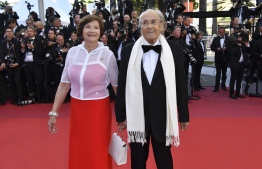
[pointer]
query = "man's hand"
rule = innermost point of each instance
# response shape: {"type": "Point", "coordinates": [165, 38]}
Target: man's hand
{"type": "Point", "coordinates": [219, 49]}
{"type": "Point", "coordinates": [65, 50]}
{"type": "Point", "coordinates": [2, 66]}
{"type": "Point", "coordinates": [30, 45]}
{"type": "Point", "coordinates": [184, 125]}
{"type": "Point", "coordinates": [13, 65]}
{"type": "Point", "coordinates": [121, 126]}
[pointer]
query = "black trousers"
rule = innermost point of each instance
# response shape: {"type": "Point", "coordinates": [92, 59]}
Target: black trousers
{"type": "Point", "coordinates": [197, 73]}
{"type": "Point", "coordinates": [2, 86]}
{"type": "Point", "coordinates": [34, 75]}
{"type": "Point", "coordinates": [252, 67]}
{"type": "Point", "coordinates": [14, 78]}
{"type": "Point", "coordinates": [237, 73]}
{"type": "Point", "coordinates": [221, 67]}
{"type": "Point", "coordinates": [162, 154]}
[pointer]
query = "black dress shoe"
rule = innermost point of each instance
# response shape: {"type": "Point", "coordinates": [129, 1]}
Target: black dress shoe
{"type": "Point", "coordinates": [215, 90]}
{"type": "Point", "coordinates": [197, 89]}
{"type": "Point", "coordinates": [201, 87]}
{"type": "Point", "coordinates": [240, 96]}
{"type": "Point", "coordinates": [224, 88]}
{"type": "Point", "coordinates": [233, 96]}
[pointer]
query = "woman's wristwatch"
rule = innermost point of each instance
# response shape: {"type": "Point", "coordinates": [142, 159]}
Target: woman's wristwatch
{"type": "Point", "coordinates": [53, 114]}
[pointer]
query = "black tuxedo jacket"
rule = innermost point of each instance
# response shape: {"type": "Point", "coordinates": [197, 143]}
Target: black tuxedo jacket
{"type": "Point", "coordinates": [124, 43]}
{"type": "Point", "coordinates": [199, 52]}
{"type": "Point", "coordinates": [235, 54]}
{"type": "Point", "coordinates": [245, 12]}
{"type": "Point", "coordinates": [15, 50]}
{"type": "Point", "coordinates": [154, 95]}
{"type": "Point", "coordinates": [220, 56]}
{"type": "Point", "coordinates": [257, 50]}
{"type": "Point", "coordinates": [38, 52]}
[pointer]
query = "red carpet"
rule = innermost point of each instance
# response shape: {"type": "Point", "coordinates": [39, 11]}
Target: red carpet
{"type": "Point", "coordinates": [223, 134]}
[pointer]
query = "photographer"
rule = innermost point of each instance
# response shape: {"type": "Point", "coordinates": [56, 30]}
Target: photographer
{"type": "Point", "coordinates": [34, 16]}
{"type": "Point", "coordinates": [255, 63]}
{"type": "Point", "coordinates": [125, 7]}
{"type": "Point", "coordinates": [186, 52]}
{"type": "Point", "coordinates": [11, 23]}
{"type": "Point", "coordinates": [73, 40]}
{"type": "Point", "coordinates": [33, 53]}
{"type": "Point", "coordinates": [61, 50]}
{"type": "Point", "coordinates": [133, 30]}
{"type": "Point", "coordinates": [122, 40]}
{"type": "Point", "coordinates": [113, 15]}
{"type": "Point", "coordinates": [40, 29]}
{"type": "Point", "coordinates": [241, 11]}
{"type": "Point", "coordinates": [179, 20]}
{"type": "Point", "coordinates": [188, 32]}
{"type": "Point", "coordinates": [198, 52]}
{"type": "Point", "coordinates": [84, 12]}
{"type": "Point", "coordinates": [9, 13]}
{"type": "Point", "coordinates": [103, 15]}
{"type": "Point", "coordinates": [50, 12]}
{"type": "Point", "coordinates": [59, 29]}
{"type": "Point", "coordinates": [10, 50]}
{"type": "Point", "coordinates": [236, 28]}
{"type": "Point", "coordinates": [73, 27]}
{"type": "Point", "coordinates": [237, 61]}
{"type": "Point", "coordinates": [221, 58]}
{"type": "Point", "coordinates": [176, 9]}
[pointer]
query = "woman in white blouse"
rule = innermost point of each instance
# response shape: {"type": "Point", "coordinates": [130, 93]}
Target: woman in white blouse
{"type": "Point", "coordinates": [89, 68]}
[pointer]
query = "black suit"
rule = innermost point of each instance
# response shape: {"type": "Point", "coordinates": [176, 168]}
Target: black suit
{"type": "Point", "coordinates": [154, 96]}
{"type": "Point", "coordinates": [8, 15]}
{"type": "Point", "coordinates": [221, 62]}
{"type": "Point", "coordinates": [199, 56]}
{"type": "Point", "coordinates": [14, 74]}
{"type": "Point", "coordinates": [237, 67]}
{"type": "Point", "coordinates": [34, 70]}
{"type": "Point", "coordinates": [236, 12]}
{"type": "Point", "coordinates": [124, 43]}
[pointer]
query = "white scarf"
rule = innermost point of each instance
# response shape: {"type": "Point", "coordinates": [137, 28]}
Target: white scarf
{"type": "Point", "coordinates": [134, 95]}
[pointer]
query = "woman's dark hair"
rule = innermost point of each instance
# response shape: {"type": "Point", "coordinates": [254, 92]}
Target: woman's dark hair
{"type": "Point", "coordinates": [89, 18]}
{"type": "Point", "coordinates": [35, 16]}
{"type": "Point", "coordinates": [104, 14]}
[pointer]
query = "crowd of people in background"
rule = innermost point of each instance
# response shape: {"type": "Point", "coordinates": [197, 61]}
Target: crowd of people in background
{"type": "Point", "coordinates": [32, 57]}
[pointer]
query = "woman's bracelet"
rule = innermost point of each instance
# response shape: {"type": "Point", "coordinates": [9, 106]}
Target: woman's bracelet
{"type": "Point", "coordinates": [53, 114]}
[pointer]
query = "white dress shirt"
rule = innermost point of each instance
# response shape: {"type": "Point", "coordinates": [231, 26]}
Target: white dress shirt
{"type": "Point", "coordinates": [149, 61]}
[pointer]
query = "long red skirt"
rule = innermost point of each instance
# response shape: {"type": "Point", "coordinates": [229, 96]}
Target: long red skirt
{"type": "Point", "coordinates": [90, 132]}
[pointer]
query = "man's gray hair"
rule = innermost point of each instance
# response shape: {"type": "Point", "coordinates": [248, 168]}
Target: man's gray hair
{"type": "Point", "coordinates": [161, 16]}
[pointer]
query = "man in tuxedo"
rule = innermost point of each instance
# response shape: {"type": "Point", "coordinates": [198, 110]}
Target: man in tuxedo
{"type": "Point", "coordinates": [122, 40]}
{"type": "Point", "coordinates": [10, 50]}
{"type": "Point", "coordinates": [33, 52]}
{"type": "Point", "coordinates": [221, 62]}
{"type": "Point", "coordinates": [11, 23]}
{"type": "Point", "coordinates": [240, 10]}
{"type": "Point", "coordinates": [237, 62]}
{"type": "Point", "coordinates": [84, 12]}
{"type": "Point", "coordinates": [199, 52]}
{"type": "Point", "coordinates": [9, 13]}
{"type": "Point", "coordinates": [146, 80]}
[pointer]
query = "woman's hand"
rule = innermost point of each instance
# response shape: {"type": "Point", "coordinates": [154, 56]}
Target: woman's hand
{"type": "Point", "coordinates": [52, 125]}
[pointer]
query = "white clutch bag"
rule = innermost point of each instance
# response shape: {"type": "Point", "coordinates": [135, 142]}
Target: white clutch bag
{"type": "Point", "coordinates": [118, 149]}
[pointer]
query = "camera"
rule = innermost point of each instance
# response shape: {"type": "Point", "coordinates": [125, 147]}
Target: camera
{"type": "Point", "coordinates": [10, 9]}
{"type": "Point", "coordinates": [100, 4]}
{"type": "Point", "coordinates": [188, 53]}
{"type": "Point", "coordinates": [72, 43]}
{"type": "Point", "coordinates": [29, 6]}
{"type": "Point", "coordinates": [26, 40]}
{"type": "Point", "coordinates": [10, 59]}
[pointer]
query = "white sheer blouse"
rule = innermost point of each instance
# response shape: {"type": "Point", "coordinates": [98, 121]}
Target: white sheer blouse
{"type": "Point", "coordinates": [90, 73]}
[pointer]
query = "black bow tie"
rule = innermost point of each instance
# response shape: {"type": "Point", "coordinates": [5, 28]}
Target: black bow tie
{"type": "Point", "coordinates": [221, 37]}
{"type": "Point", "coordinates": [156, 48]}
